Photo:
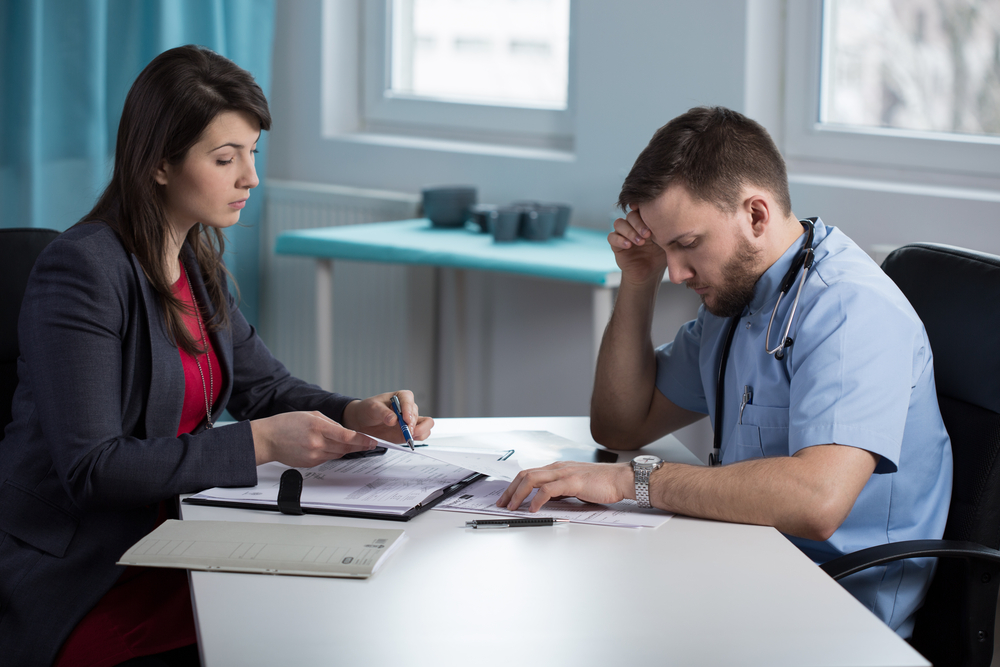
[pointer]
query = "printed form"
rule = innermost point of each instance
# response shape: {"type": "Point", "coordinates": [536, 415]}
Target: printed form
{"type": "Point", "coordinates": [481, 498]}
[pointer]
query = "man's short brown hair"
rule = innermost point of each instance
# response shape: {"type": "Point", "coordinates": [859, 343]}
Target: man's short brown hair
{"type": "Point", "coordinates": [715, 152]}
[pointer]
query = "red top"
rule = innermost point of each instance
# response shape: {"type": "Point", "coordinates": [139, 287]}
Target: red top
{"type": "Point", "coordinates": [193, 413]}
{"type": "Point", "coordinates": [148, 610]}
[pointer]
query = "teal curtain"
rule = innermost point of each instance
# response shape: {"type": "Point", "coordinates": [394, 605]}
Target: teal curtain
{"type": "Point", "coordinates": [65, 68]}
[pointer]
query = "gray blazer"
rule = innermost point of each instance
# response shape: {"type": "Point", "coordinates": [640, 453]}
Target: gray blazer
{"type": "Point", "coordinates": [93, 446]}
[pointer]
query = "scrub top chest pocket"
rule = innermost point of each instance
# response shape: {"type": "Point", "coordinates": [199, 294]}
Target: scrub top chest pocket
{"type": "Point", "coordinates": [761, 431]}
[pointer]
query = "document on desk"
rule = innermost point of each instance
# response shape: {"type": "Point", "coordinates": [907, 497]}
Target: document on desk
{"type": "Point", "coordinates": [266, 548]}
{"type": "Point", "coordinates": [535, 448]}
{"type": "Point", "coordinates": [481, 497]}
{"type": "Point", "coordinates": [486, 463]}
{"type": "Point", "coordinates": [393, 484]}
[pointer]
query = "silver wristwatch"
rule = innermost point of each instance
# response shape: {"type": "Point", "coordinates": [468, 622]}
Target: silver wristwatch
{"type": "Point", "coordinates": [643, 466]}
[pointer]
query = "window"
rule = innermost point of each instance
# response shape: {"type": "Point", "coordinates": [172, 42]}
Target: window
{"type": "Point", "coordinates": [494, 71]}
{"type": "Point", "coordinates": [912, 84]}
{"type": "Point", "coordinates": [513, 53]}
{"type": "Point", "coordinates": [917, 65]}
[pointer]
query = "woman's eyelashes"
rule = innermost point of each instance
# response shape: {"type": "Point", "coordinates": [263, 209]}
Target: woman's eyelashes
{"type": "Point", "coordinates": [223, 163]}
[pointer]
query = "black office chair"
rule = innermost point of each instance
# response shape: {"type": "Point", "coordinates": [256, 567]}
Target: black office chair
{"type": "Point", "coordinates": [956, 292]}
{"type": "Point", "coordinates": [19, 248]}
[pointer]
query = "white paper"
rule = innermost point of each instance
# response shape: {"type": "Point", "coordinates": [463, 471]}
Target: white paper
{"type": "Point", "coordinates": [501, 440]}
{"type": "Point", "coordinates": [533, 448]}
{"type": "Point", "coordinates": [483, 462]}
{"type": "Point", "coordinates": [481, 498]}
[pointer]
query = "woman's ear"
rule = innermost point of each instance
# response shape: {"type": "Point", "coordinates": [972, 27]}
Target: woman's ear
{"type": "Point", "coordinates": [162, 173]}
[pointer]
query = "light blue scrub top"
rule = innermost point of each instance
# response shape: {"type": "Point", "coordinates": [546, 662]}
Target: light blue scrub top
{"type": "Point", "coordinates": [859, 373]}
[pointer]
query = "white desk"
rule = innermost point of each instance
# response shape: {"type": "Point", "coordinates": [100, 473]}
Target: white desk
{"type": "Point", "coordinates": [692, 592]}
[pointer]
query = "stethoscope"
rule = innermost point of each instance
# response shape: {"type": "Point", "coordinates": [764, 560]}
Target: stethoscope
{"type": "Point", "coordinates": [803, 261]}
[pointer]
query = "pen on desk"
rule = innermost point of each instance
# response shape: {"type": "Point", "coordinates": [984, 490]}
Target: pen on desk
{"type": "Point", "coordinates": [512, 523]}
{"type": "Point", "coordinates": [402, 422]}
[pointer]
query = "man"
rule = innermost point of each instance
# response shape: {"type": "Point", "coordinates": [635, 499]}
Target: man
{"type": "Point", "coordinates": [836, 438]}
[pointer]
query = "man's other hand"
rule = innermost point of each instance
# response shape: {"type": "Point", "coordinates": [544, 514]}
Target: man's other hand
{"type": "Point", "coordinates": [637, 255]}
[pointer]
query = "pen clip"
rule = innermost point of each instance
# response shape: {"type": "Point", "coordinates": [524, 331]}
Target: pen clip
{"type": "Point", "coordinates": [394, 402]}
{"type": "Point", "coordinates": [746, 400]}
{"type": "Point", "coordinates": [407, 436]}
{"type": "Point", "coordinates": [478, 526]}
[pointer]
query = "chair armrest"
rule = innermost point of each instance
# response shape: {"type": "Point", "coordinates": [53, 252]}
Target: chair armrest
{"type": "Point", "coordinates": [848, 564]}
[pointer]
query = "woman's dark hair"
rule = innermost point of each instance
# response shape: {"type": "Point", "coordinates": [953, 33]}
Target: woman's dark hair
{"type": "Point", "coordinates": [715, 152]}
{"type": "Point", "coordinates": [168, 107]}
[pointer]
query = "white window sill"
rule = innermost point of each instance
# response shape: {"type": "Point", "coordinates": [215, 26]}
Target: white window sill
{"type": "Point", "coordinates": [455, 146]}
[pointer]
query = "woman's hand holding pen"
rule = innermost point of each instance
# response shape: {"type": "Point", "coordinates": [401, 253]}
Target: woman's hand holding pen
{"type": "Point", "coordinates": [374, 416]}
{"type": "Point", "coordinates": [304, 439]}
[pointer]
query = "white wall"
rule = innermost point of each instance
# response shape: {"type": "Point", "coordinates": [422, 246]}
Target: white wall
{"type": "Point", "coordinates": [638, 64]}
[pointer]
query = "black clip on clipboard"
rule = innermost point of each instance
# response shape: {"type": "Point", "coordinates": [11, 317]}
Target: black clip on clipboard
{"type": "Point", "coordinates": [290, 494]}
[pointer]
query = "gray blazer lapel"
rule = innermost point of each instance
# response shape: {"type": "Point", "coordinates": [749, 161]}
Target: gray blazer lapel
{"type": "Point", "coordinates": [166, 380]}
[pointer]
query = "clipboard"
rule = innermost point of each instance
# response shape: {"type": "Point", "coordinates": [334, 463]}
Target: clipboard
{"type": "Point", "coordinates": [289, 500]}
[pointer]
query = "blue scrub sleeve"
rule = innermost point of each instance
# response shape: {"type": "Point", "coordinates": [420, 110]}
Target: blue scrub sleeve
{"type": "Point", "coordinates": [851, 375]}
{"type": "Point", "coordinates": [678, 374]}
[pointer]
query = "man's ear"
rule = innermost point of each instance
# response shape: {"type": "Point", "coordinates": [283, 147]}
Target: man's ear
{"type": "Point", "coordinates": [162, 173]}
{"type": "Point", "coordinates": [758, 211]}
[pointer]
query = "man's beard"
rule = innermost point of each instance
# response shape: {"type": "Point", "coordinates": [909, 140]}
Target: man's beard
{"type": "Point", "coordinates": [740, 275]}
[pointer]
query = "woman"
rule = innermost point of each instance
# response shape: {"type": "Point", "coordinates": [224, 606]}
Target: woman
{"type": "Point", "coordinates": [131, 346]}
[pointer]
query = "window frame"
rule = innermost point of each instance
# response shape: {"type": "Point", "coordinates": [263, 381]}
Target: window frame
{"type": "Point", "coordinates": [807, 138]}
{"type": "Point", "coordinates": [385, 112]}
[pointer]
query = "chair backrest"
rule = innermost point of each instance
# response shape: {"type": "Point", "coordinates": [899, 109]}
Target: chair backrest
{"type": "Point", "coordinates": [19, 248]}
{"type": "Point", "coordinates": [956, 293]}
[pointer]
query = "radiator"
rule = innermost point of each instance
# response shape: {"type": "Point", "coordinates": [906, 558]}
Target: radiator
{"type": "Point", "coordinates": [383, 313]}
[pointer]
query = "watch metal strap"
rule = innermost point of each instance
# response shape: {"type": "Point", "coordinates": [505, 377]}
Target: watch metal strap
{"type": "Point", "coordinates": [642, 473]}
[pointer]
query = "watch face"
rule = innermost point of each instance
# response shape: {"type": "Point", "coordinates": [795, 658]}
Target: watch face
{"type": "Point", "coordinates": [646, 460]}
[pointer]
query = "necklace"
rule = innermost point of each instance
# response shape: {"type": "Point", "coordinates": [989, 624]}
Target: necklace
{"type": "Point", "coordinates": [204, 345]}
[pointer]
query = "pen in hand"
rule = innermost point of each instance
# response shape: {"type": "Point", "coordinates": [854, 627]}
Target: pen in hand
{"type": "Point", "coordinates": [402, 422]}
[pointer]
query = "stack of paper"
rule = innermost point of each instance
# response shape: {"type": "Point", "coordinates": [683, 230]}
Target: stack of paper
{"type": "Point", "coordinates": [266, 548]}
{"type": "Point", "coordinates": [390, 484]}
